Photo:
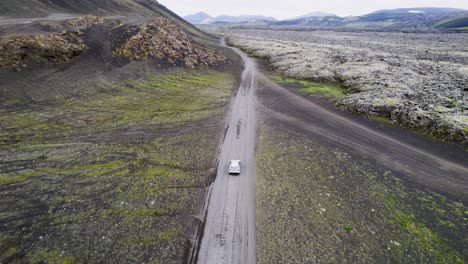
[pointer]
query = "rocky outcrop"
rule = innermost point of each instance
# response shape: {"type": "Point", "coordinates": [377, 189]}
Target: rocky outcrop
{"type": "Point", "coordinates": [433, 120]}
{"type": "Point", "coordinates": [74, 23]}
{"type": "Point", "coordinates": [55, 47]}
{"type": "Point", "coordinates": [168, 43]}
{"type": "Point", "coordinates": [417, 80]}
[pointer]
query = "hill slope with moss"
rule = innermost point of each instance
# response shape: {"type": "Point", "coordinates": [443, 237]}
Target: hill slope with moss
{"type": "Point", "coordinates": [456, 23]}
{"type": "Point", "coordinates": [99, 119]}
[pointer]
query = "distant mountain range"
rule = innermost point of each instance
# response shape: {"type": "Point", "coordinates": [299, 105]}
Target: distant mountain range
{"type": "Point", "coordinates": [199, 18]}
{"type": "Point", "coordinates": [403, 19]}
{"type": "Point", "coordinates": [204, 18]}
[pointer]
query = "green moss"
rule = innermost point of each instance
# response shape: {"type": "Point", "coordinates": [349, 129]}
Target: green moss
{"type": "Point", "coordinates": [425, 133]}
{"type": "Point", "coordinates": [416, 225]}
{"type": "Point", "coordinates": [112, 164]}
{"type": "Point", "coordinates": [158, 171]}
{"type": "Point", "coordinates": [17, 177]}
{"type": "Point", "coordinates": [7, 250]}
{"type": "Point", "coordinates": [327, 90]}
{"type": "Point", "coordinates": [168, 100]}
{"type": "Point", "coordinates": [323, 89]}
{"type": "Point", "coordinates": [51, 145]}
{"type": "Point", "coordinates": [390, 101]}
{"type": "Point", "coordinates": [41, 256]}
{"type": "Point", "coordinates": [383, 120]}
{"type": "Point", "coordinates": [169, 235]}
{"type": "Point", "coordinates": [119, 156]}
{"type": "Point", "coordinates": [463, 120]}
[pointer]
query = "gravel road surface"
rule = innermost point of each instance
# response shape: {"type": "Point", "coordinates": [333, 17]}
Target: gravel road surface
{"type": "Point", "coordinates": [229, 235]}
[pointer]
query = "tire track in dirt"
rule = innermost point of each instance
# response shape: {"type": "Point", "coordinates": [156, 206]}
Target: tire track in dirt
{"type": "Point", "coordinates": [229, 232]}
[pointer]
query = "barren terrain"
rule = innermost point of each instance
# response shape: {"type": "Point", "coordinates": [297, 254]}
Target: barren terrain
{"type": "Point", "coordinates": [110, 132]}
{"type": "Point", "coordinates": [333, 187]}
{"type": "Point", "coordinates": [417, 80]}
{"type": "Point", "coordinates": [105, 157]}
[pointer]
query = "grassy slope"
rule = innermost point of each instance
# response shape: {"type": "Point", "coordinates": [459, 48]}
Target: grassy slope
{"type": "Point", "coordinates": [110, 175]}
{"type": "Point", "coordinates": [316, 204]}
{"type": "Point", "coordinates": [460, 23]}
{"type": "Point", "coordinates": [308, 87]}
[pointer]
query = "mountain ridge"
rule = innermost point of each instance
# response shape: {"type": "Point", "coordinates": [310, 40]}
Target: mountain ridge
{"type": "Point", "coordinates": [204, 18]}
{"type": "Point", "coordinates": [198, 18]}
{"type": "Point", "coordinates": [422, 19]}
{"type": "Point", "coordinates": [311, 14]}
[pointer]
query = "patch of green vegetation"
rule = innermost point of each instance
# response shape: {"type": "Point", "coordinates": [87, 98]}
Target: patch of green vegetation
{"type": "Point", "coordinates": [463, 119]}
{"type": "Point", "coordinates": [390, 220]}
{"type": "Point", "coordinates": [425, 133]}
{"type": "Point", "coordinates": [168, 100]}
{"type": "Point", "coordinates": [327, 90]}
{"type": "Point", "coordinates": [383, 120]}
{"type": "Point", "coordinates": [453, 23]}
{"type": "Point", "coordinates": [169, 235]}
{"type": "Point", "coordinates": [390, 101]}
{"type": "Point", "coordinates": [52, 257]}
{"type": "Point", "coordinates": [323, 89]}
{"type": "Point", "coordinates": [114, 165]}
{"type": "Point", "coordinates": [417, 131]}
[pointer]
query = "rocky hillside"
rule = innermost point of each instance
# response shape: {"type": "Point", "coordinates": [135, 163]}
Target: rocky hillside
{"type": "Point", "coordinates": [63, 43]}
{"type": "Point", "coordinates": [162, 40]}
{"type": "Point", "coordinates": [100, 41]}
{"type": "Point", "coordinates": [125, 8]}
{"type": "Point", "coordinates": [42, 8]}
{"type": "Point", "coordinates": [167, 42]}
{"type": "Point", "coordinates": [106, 101]}
{"type": "Point", "coordinates": [55, 47]}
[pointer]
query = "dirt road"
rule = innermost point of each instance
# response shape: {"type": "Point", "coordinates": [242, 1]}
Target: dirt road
{"type": "Point", "coordinates": [229, 234]}
{"type": "Point", "coordinates": [52, 17]}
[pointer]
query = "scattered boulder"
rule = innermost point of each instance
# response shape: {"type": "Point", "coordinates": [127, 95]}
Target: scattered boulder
{"type": "Point", "coordinates": [167, 42]}
{"type": "Point", "coordinates": [17, 50]}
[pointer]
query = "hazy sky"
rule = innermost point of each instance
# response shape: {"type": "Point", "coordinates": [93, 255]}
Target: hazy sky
{"type": "Point", "coordinates": [289, 8]}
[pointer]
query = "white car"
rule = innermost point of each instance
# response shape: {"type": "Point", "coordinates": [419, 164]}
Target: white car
{"type": "Point", "coordinates": [234, 167]}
